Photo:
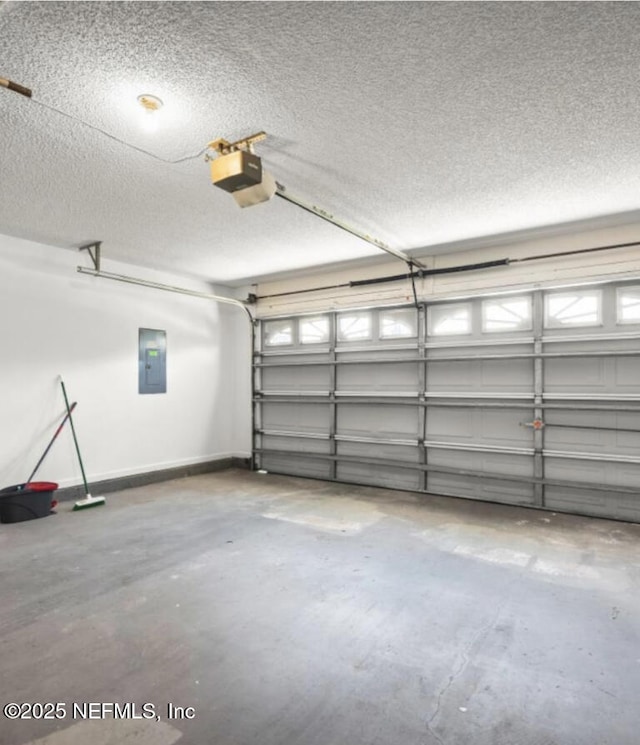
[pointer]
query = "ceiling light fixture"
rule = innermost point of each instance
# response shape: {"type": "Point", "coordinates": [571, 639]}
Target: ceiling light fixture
{"type": "Point", "coordinates": [149, 106]}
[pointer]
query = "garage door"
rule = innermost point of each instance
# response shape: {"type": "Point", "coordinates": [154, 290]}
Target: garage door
{"type": "Point", "coordinates": [529, 399]}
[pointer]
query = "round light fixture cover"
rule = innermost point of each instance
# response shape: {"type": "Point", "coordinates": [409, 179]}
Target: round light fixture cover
{"type": "Point", "coordinates": [149, 102]}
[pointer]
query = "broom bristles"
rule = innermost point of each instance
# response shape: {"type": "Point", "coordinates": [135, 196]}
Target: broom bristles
{"type": "Point", "coordinates": [87, 502]}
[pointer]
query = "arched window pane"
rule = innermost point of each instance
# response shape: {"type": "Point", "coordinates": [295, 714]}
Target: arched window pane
{"type": "Point", "coordinates": [506, 314]}
{"type": "Point", "coordinates": [577, 308]}
{"type": "Point", "coordinates": [314, 330]}
{"type": "Point", "coordinates": [354, 326]}
{"type": "Point", "coordinates": [628, 304]}
{"type": "Point", "coordinates": [277, 333]}
{"type": "Point", "coordinates": [400, 323]}
{"type": "Point", "coordinates": [446, 320]}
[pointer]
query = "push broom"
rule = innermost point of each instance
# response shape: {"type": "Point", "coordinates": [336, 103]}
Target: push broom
{"type": "Point", "coordinates": [88, 500]}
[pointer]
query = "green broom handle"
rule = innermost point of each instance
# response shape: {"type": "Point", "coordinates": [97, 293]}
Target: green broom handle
{"type": "Point", "coordinates": [75, 439]}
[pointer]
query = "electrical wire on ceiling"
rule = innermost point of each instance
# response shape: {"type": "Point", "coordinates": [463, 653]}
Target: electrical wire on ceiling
{"type": "Point", "coordinates": [199, 154]}
{"type": "Point", "coordinates": [10, 85]}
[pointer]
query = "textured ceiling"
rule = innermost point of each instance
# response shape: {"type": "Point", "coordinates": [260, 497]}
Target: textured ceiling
{"type": "Point", "coordinates": [420, 123]}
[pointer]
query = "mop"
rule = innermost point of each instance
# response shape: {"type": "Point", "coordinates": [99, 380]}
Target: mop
{"type": "Point", "coordinates": [88, 501]}
{"type": "Point", "coordinates": [49, 446]}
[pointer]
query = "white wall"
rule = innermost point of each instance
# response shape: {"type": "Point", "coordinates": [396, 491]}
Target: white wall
{"type": "Point", "coordinates": [55, 321]}
{"type": "Point", "coordinates": [619, 263]}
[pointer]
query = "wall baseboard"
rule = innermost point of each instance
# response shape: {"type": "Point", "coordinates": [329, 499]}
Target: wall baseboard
{"type": "Point", "coordinates": [99, 488]}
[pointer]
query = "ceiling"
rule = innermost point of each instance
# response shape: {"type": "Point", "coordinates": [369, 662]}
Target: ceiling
{"type": "Point", "coordinates": [421, 124]}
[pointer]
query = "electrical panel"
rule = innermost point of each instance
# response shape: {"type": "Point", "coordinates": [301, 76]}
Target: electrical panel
{"type": "Point", "coordinates": [152, 361]}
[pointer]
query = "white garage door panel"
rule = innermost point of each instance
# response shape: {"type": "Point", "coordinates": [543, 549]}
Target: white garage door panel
{"type": "Point", "coordinates": [381, 378]}
{"type": "Point", "coordinates": [302, 444]}
{"type": "Point", "coordinates": [626, 443]}
{"type": "Point", "coordinates": [543, 409]}
{"type": "Point", "coordinates": [505, 426]}
{"type": "Point", "coordinates": [514, 492]}
{"type": "Point", "coordinates": [575, 374]}
{"type": "Point", "coordinates": [296, 466]}
{"type": "Point", "coordinates": [509, 465]}
{"type": "Point", "coordinates": [505, 491]}
{"type": "Point", "coordinates": [586, 472]}
{"type": "Point", "coordinates": [490, 490]}
{"type": "Point", "coordinates": [588, 419]}
{"type": "Point", "coordinates": [482, 463]}
{"type": "Point", "coordinates": [404, 453]}
{"type": "Point", "coordinates": [295, 416]}
{"type": "Point", "coordinates": [377, 420]}
{"type": "Point", "coordinates": [455, 425]}
{"type": "Point", "coordinates": [597, 504]}
{"type": "Point", "coordinates": [451, 376]}
{"type": "Point", "coordinates": [510, 376]}
{"type": "Point", "coordinates": [394, 478]}
{"type": "Point", "coordinates": [572, 438]}
{"type": "Point", "coordinates": [481, 426]}
{"type": "Point", "coordinates": [314, 378]}
{"type": "Point", "coordinates": [617, 433]}
{"type": "Point", "coordinates": [627, 372]}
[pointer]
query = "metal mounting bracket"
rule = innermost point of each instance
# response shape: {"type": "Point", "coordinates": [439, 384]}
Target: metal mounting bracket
{"type": "Point", "coordinates": [224, 147]}
{"type": "Point", "coordinates": [95, 257]}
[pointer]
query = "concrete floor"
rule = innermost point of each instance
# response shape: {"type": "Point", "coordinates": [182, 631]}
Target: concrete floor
{"type": "Point", "coordinates": [295, 612]}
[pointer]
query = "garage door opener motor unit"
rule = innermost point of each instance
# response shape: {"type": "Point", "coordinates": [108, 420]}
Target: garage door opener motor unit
{"type": "Point", "coordinates": [238, 170]}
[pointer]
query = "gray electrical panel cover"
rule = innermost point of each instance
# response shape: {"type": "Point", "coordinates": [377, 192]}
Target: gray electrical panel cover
{"type": "Point", "coordinates": [152, 361]}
